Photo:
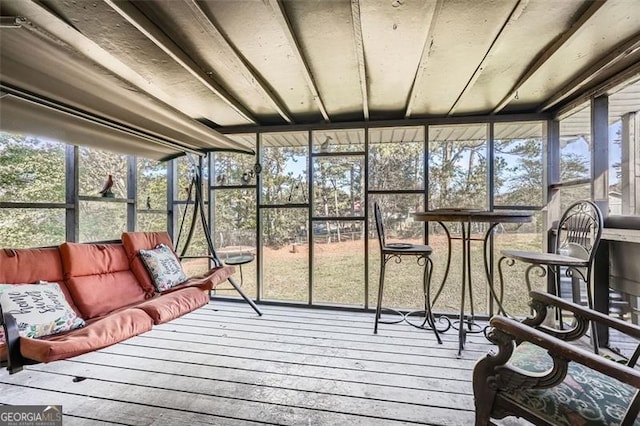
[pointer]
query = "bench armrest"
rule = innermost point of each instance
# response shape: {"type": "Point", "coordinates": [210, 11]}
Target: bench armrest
{"type": "Point", "coordinates": [506, 331]}
{"type": "Point", "coordinates": [540, 301]}
{"type": "Point", "coordinates": [590, 314]}
{"type": "Point", "coordinates": [494, 374]}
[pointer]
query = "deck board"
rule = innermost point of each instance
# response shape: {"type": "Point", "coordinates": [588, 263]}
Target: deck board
{"type": "Point", "coordinates": [224, 365]}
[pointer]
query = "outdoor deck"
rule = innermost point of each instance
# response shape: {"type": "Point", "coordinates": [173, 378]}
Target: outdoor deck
{"type": "Point", "coordinates": [224, 365]}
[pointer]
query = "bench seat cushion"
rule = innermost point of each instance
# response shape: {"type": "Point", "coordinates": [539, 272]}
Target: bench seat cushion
{"type": "Point", "coordinates": [99, 278]}
{"type": "Point", "coordinates": [98, 334]}
{"type": "Point", "coordinates": [207, 281]}
{"type": "Point", "coordinates": [164, 308]}
{"type": "Point", "coordinates": [585, 397]}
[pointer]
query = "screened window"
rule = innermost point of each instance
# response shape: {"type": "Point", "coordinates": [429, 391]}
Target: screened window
{"type": "Point", "coordinates": [518, 164]}
{"type": "Point", "coordinates": [575, 145]}
{"type": "Point", "coordinates": [31, 169]}
{"type": "Point", "coordinates": [458, 166]}
{"type": "Point", "coordinates": [396, 158]}
{"type": "Point", "coordinates": [284, 168]}
{"type": "Point", "coordinates": [151, 196]}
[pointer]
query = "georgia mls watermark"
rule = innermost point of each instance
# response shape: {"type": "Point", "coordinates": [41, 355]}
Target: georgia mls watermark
{"type": "Point", "coordinates": [31, 415]}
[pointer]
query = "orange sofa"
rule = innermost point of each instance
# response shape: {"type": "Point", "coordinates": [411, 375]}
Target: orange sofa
{"type": "Point", "coordinates": [107, 285]}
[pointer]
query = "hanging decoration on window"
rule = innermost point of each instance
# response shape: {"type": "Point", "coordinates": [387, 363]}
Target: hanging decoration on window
{"type": "Point", "coordinates": [250, 174]}
{"type": "Point", "coordinates": [106, 189]}
{"type": "Point", "coordinates": [298, 192]}
{"type": "Point", "coordinates": [324, 146]}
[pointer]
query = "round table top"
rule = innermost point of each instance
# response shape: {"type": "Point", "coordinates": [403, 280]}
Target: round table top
{"type": "Point", "coordinates": [240, 259]}
{"type": "Point", "coordinates": [463, 215]}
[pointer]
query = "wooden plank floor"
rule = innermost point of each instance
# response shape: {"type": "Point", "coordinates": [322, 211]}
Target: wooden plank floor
{"type": "Point", "coordinates": [224, 365]}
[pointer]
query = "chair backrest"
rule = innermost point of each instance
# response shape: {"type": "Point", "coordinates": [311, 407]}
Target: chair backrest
{"type": "Point", "coordinates": [579, 230]}
{"type": "Point", "coordinates": [379, 225]}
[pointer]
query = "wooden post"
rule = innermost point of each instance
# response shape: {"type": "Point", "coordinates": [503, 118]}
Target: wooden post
{"type": "Point", "coordinates": [600, 153]}
{"type": "Point", "coordinates": [71, 195]}
{"type": "Point", "coordinates": [172, 196]}
{"type": "Point", "coordinates": [551, 176]}
{"type": "Point", "coordinates": [132, 185]}
{"type": "Point", "coordinates": [630, 179]}
{"type": "Point", "coordinates": [600, 195]}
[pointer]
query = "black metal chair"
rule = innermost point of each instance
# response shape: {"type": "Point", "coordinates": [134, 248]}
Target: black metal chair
{"type": "Point", "coordinates": [397, 251]}
{"type": "Point", "coordinates": [577, 239]}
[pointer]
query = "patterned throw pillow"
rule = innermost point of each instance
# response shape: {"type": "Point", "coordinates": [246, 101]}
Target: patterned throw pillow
{"type": "Point", "coordinates": [163, 266]}
{"type": "Point", "coordinates": [39, 309]}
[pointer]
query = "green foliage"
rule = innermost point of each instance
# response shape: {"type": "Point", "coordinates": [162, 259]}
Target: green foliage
{"type": "Point", "coordinates": [394, 166]}
{"type": "Point", "coordinates": [520, 180]}
{"type": "Point", "coordinates": [458, 174]}
{"type": "Point", "coordinates": [31, 170]}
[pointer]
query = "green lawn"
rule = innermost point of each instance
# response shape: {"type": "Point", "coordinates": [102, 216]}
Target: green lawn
{"type": "Point", "coordinates": [339, 275]}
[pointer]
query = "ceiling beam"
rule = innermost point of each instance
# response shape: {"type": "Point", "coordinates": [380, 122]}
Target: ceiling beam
{"type": "Point", "coordinates": [513, 17]}
{"type": "Point", "coordinates": [136, 18]}
{"type": "Point", "coordinates": [237, 61]}
{"type": "Point", "coordinates": [362, 69]}
{"type": "Point", "coordinates": [353, 125]}
{"type": "Point", "coordinates": [281, 17]}
{"type": "Point", "coordinates": [424, 58]}
{"type": "Point", "coordinates": [549, 52]}
{"type": "Point", "coordinates": [629, 47]}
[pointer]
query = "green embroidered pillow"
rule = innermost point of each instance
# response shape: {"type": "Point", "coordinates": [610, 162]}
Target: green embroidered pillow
{"type": "Point", "coordinates": [163, 266]}
{"type": "Point", "coordinates": [39, 309]}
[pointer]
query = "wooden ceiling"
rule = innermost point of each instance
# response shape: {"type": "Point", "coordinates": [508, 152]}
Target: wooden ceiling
{"type": "Point", "coordinates": [176, 69]}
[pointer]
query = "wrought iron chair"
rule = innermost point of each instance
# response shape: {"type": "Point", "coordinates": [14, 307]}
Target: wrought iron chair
{"type": "Point", "coordinates": [538, 375]}
{"type": "Point", "coordinates": [396, 252]}
{"type": "Point", "coordinates": [577, 240]}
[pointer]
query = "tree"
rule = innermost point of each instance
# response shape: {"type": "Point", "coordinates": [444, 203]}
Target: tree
{"type": "Point", "coordinates": [31, 170]}
{"type": "Point", "coordinates": [519, 172]}
{"type": "Point", "coordinates": [458, 174]}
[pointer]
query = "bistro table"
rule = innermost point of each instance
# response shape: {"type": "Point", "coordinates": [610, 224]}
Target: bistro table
{"type": "Point", "coordinates": [466, 217]}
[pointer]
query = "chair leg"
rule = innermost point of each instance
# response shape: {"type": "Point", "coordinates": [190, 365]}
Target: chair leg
{"type": "Point", "coordinates": [380, 291]}
{"type": "Point", "coordinates": [594, 333]}
{"type": "Point", "coordinates": [428, 312]}
{"type": "Point", "coordinates": [557, 284]}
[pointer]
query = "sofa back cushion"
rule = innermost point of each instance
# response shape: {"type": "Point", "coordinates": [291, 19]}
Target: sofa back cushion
{"type": "Point", "coordinates": [18, 266]}
{"type": "Point", "coordinates": [99, 278]}
{"type": "Point", "coordinates": [133, 242]}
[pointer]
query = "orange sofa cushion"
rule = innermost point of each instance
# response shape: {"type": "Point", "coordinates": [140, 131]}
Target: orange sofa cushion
{"type": "Point", "coordinates": [99, 278]}
{"type": "Point", "coordinates": [99, 334]}
{"type": "Point", "coordinates": [207, 281]}
{"type": "Point", "coordinates": [28, 266]}
{"type": "Point", "coordinates": [172, 305]}
{"type": "Point", "coordinates": [133, 242]}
